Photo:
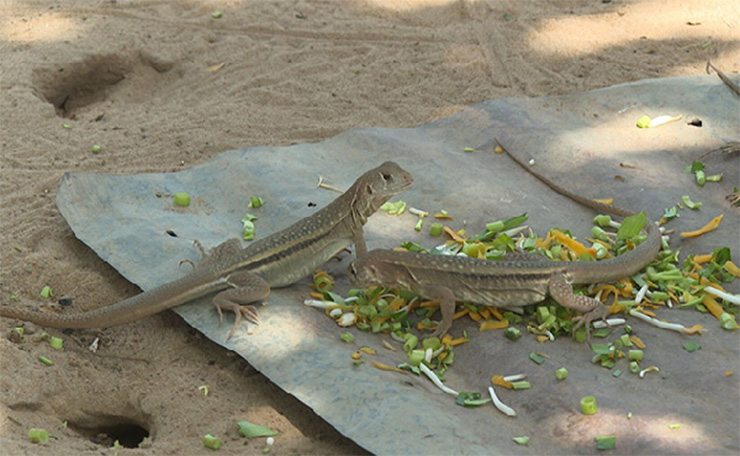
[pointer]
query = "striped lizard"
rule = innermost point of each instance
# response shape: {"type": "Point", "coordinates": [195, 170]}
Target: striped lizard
{"type": "Point", "coordinates": [518, 280]}
{"type": "Point", "coordinates": [241, 276]}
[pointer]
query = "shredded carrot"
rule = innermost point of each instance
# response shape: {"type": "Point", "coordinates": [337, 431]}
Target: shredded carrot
{"type": "Point", "coordinates": [485, 313]}
{"type": "Point", "coordinates": [543, 243]}
{"type": "Point", "coordinates": [356, 355]}
{"type": "Point", "coordinates": [386, 367]}
{"type": "Point", "coordinates": [493, 324]}
{"type": "Point", "coordinates": [573, 245]}
{"type": "Point", "coordinates": [475, 316]}
{"type": "Point", "coordinates": [705, 281]}
{"type": "Point", "coordinates": [442, 356]}
{"type": "Point", "coordinates": [701, 259]}
{"type": "Point", "coordinates": [728, 373]}
{"type": "Point", "coordinates": [616, 308]}
{"type": "Point", "coordinates": [461, 313]}
{"type": "Point", "coordinates": [455, 237]}
{"type": "Point", "coordinates": [638, 342]}
{"type": "Point", "coordinates": [696, 329]}
{"type": "Point", "coordinates": [400, 249]}
{"type": "Point", "coordinates": [604, 200]}
{"type": "Point", "coordinates": [395, 305]}
{"type": "Point", "coordinates": [426, 304]}
{"type": "Point", "coordinates": [421, 325]}
{"type": "Point", "coordinates": [496, 314]}
{"type": "Point", "coordinates": [446, 339]}
{"type": "Point", "coordinates": [368, 350]}
{"type": "Point", "coordinates": [498, 380]}
{"type": "Point", "coordinates": [713, 306]}
{"type": "Point", "coordinates": [317, 295]}
{"type": "Point", "coordinates": [542, 338]}
{"type": "Point", "coordinates": [732, 268]}
{"type": "Point", "coordinates": [608, 289]}
{"type": "Point", "coordinates": [712, 225]}
{"type": "Point", "coordinates": [647, 312]}
{"type": "Point", "coordinates": [458, 341]}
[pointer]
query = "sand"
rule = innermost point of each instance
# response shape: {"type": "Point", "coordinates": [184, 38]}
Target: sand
{"type": "Point", "coordinates": [161, 86]}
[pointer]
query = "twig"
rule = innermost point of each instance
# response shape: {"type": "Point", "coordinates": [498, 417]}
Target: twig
{"type": "Point", "coordinates": [723, 77]}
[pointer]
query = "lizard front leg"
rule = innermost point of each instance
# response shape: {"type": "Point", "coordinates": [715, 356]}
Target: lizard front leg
{"type": "Point", "coordinates": [562, 292]}
{"type": "Point", "coordinates": [446, 305]}
{"type": "Point", "coordinates": [247, 288]}
{"type": "Point", "coordinates": [360, 246]}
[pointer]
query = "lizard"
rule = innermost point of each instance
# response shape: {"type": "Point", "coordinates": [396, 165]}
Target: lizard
{"type": "Point", "coordinates": [241, 276]}
{"type": "Point", "coordinates": [525, 279]}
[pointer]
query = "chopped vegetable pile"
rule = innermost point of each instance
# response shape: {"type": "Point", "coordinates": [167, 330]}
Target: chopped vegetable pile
{"type": "Point", "coordinates": [404, 315]}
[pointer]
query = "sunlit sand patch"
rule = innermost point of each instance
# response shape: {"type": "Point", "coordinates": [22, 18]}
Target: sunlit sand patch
{"type": "Point", "coordinates": [45, 27]}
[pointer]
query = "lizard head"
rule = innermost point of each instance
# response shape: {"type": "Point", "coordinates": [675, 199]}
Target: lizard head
{"type": "Point", "coordinates": [378, 185]}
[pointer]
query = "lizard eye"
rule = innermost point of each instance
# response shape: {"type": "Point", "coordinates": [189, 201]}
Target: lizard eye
{"type": "Point", "coordinates": [385, 176]}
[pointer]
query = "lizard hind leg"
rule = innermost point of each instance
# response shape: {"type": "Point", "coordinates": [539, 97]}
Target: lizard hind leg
{"type": "Point", "coordinates": [562, 291]}
{"type": "Point", "coordinates": [247, 288]}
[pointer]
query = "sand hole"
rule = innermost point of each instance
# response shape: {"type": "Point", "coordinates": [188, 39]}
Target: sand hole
{"type": "Point", "coordinates": [111, 429]}
{"type": "Point", "coordinates": [75, 85]}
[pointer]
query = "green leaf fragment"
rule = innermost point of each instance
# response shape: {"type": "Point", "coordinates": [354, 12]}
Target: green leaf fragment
{"type": "Point", "coordinates": [38, 435]}
{"type": "Point", "coordinates": [691, 346]}
{"type": "Point", "coordinates": [416, 357]}
{"type": "Point", "coordinates": [690, 204]}
{"type": "Point", "coordinates": [539, 359]}
{"type": "Point", "coordinates": [410, 343]}
{"type": "Point", "coordinates": [46, 292]}
{"type": "Point", "coordinates": [701, 178]}
{"type": "Point", "coordinates": [249, 430]}
{"type": "Point", "coordinates": [561, 374]}
{"type": "Point", "coordinates": [67, 126]}
{"type": "Point", "coordinates": [617, 373]}
{"type": "Point", "coordinates": [181, 199]}
{"type": "Point", "coordinates": [347, 337]}
{"type": "Point", "coordinates": [46, 360]}
{"type": "Point", "coordinates": [523, 384]}
{"type": "Point", "coordinates": [523, 440]}
{"type": "Point", "coordinates": [643, 121]}
{"type": "Point", "coordinates": [56, 343]}
{"type": "Point", "coordinates": [714, 177]}
{"type": "Point", "coordinates": [247, 220]}
{"type": "Point", "coordinates": [674, 426]}
{"type": "Point", "coordinates": [217, 14]}
{"type": "Point", "coordinates": [512, 333]}
{"type": "Point", "coordinates": [671, 213]}
{"type": "Point", "coordinates": [468, 149]}
{"type": "Point", "coordinates": [435, 229]}
{"type": "Point", "coordinates": [95, 148]}
{"type": "Point", "coordinates": [608, 442]}
{"type": "Point", "coordinates": [694, 167]}
{"type": "Point", "coordinates": [631, 226]}
{"type": "Point", "coordinates": [256, 202]}
{"type": "Point", "coordinates": [470, 399]}
{"type": "Point", "coordinates": [395, 208]}
{"type": "Point", "coordinates": [211, 442]}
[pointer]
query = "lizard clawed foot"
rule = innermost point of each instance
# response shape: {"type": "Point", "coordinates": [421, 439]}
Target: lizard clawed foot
{"type": "Point", "coordinates": [441, 329]}
{"type": "Point", "coordinates": [250, 312]}
{"type": "Point", "coordinates": [599, 313]}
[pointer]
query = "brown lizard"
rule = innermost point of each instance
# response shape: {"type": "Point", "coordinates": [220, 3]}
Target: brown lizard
{"type": "Point", "coordinates": [244, 275]}
{"type": "Point", "coordinates": [526, 279]}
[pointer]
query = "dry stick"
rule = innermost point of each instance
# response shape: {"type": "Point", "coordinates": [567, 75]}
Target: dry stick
{"type": "Point", "coordinates": [723, 77]}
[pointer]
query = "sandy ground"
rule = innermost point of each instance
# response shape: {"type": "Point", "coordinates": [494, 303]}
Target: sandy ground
{"type": "Point", "coordinates": [161, 85]}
